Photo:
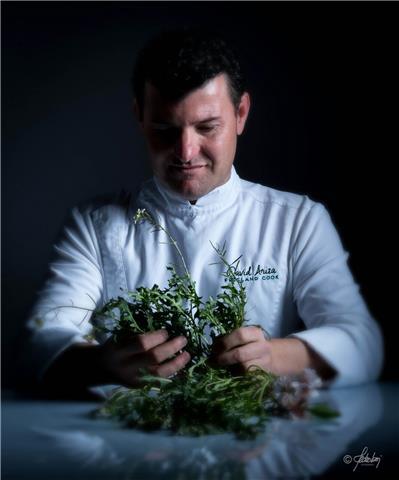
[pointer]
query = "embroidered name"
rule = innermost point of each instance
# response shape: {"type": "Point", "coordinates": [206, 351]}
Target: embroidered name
{"type": "Point", "coordinates": [252, 273]}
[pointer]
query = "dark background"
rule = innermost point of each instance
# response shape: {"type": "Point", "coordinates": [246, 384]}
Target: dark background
{"type": "Point", "coordinates": [323, 122]}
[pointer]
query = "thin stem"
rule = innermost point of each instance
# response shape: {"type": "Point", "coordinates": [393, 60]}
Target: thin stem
{"type": "Point", "coordinates": [145, 214]}
{"type": "Point", "coordinates": [174, 243]}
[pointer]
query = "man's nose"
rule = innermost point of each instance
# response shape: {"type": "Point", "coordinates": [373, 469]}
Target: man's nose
{"type": "Point", "coordinates": [187, 145]}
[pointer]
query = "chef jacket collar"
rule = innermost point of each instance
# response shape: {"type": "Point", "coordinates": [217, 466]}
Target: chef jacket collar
{"type": "Point", "coordinates": [217, 199]}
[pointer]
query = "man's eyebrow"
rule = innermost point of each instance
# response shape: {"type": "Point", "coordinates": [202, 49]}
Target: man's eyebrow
{"type": "Point", "coordinates": [156, 123]}
{"type": "Point", "coordinates": [165, 123]}
{"type": "Point", "coordinates": [209, 119]}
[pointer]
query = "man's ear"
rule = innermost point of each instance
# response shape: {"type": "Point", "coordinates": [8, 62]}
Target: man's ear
{"type": "Point", "coordinates": [242, 112]}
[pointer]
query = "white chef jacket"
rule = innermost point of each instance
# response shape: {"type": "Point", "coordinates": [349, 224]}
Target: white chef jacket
{"type": "Point", "coordinates": [292, 263]}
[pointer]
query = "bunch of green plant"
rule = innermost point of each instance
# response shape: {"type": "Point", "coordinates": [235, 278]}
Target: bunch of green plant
{"type": "Point", "coordinates": [177, 307]}
{"type": "Point", "coordinates": [196, 402]}
{"type": "Point", "coordinates": [200, 399]}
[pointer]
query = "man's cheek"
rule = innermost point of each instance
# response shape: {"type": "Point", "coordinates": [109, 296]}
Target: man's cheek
{"type": "Point", "coordinates": [158, 160]}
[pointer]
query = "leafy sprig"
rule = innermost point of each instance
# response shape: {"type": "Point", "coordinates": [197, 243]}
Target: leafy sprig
{"type": "Point", "coordinates": [197, 403]}
{"type": "Point", "coordinates": [177, 307]}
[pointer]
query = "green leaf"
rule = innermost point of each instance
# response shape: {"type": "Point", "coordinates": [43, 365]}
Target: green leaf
{"type": "Point", "coordinates": [321, 410]}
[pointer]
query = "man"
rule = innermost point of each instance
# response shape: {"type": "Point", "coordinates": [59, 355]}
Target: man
{"type": "Point", "coordinates": [191, 105]}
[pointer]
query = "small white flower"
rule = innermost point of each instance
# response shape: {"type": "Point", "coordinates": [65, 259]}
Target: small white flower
{"type": "Point", "coordinates": [140, 215]}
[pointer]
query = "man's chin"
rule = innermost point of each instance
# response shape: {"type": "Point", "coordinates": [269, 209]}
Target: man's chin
{"type": "Point", "coordinates": [190, 190]}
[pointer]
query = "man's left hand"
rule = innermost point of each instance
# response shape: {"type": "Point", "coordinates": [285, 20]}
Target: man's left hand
{"type": "Point", "coordinates": [247, 346]}
{"type": "Point", "coordinates": [242, 348]}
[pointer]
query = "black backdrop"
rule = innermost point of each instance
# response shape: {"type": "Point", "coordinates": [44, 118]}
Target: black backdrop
{"type": "Point", "coordinates": [324, 106]}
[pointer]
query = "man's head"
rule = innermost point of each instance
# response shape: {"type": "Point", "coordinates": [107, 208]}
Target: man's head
{"type": "Point", "coordinates": [191, 104]}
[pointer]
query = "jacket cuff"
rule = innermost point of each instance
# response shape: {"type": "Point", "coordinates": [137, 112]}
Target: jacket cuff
{"type": "Point", "coordinates": [354, 365]}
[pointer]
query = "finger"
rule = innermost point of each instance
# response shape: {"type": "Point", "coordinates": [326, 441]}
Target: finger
{"type": "Point", "coordinates": [256, 362]}
{"type": "Point", "coordinates": [238, 337]}
{"type": "Point", "coordinates": [242, 368]}
{"type": "Point", "coordinates": [242, 354]}
{"type": "Point", "coordinates": [170, 368]}
{"type": "Point", "coordinates": [166, 350]}
{"type": "Point", "coordinates": [144, 342]}
{"type": "Point", "coordinates": [131, 373]}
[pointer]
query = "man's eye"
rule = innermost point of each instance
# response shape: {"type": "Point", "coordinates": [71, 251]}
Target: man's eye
{"type": "Point", "coordinates": [206, 128]}
{"type": "Point", "coordinates": [166, 132]}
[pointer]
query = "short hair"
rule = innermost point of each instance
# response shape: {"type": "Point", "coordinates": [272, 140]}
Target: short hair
{"type": "Point", "coordinates": [177, 62]}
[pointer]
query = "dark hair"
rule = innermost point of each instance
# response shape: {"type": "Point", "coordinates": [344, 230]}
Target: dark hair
{"type": "Point", "coordinates": [179, 61]}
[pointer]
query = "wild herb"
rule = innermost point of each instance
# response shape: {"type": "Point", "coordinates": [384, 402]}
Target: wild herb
{"type": "Point", "coordinates": [201, 399]}
{"type": "Point", "coordinates": [177, 307]}
{"type": "Point", "coordinates": [197, 402]}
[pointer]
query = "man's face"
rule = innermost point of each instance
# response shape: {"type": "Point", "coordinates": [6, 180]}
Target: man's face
{"type": "Point", "coordinates": [192, 142]}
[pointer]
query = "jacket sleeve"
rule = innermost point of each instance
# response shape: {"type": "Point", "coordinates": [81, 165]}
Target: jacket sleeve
{"type": "Point", "coordinates": [61, 314]}
{"type": "Point", "coordinates": [339, 325]}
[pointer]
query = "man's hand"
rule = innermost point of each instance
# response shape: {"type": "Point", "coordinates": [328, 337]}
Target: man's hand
{"type": "Point", "coordinates": [247, 346]}
{"type": "Point", "coordinates": [242, 348]}
{"type": "Point", "coordinates": [149, 352]}
{"type": "Point", "coordinates": [84, 365]}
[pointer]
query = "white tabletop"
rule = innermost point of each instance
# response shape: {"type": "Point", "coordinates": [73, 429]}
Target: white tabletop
{"type": "Point", "coordinates": [58, 440]}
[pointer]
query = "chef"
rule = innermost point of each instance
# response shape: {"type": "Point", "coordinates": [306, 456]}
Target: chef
{"type": "Point", "coordinates": [191, 105]}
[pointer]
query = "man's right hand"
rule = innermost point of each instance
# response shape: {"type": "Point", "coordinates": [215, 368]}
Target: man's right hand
{"type": "Point", "coordinates": [151, 352]}
{"type": "Point", "coordinates": [83, 365]}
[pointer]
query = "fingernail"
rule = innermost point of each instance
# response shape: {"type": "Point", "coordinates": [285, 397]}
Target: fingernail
{"type": "Point", "coordinates": [164, 333]}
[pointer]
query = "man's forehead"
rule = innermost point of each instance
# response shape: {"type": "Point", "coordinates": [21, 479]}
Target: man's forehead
{"type": "Point", "coordinates": [206, 101]}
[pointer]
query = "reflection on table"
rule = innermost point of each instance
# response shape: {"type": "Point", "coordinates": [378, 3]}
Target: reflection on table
{"type": "Point", "coordinates": [59, 440]}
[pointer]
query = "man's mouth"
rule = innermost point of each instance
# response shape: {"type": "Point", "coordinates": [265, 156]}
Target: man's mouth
{"type": "Point", "coordinates": [187, 168]}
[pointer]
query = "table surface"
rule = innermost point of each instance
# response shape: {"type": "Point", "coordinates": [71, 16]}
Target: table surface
{"type": "Point", "coordinates": [59, 440]}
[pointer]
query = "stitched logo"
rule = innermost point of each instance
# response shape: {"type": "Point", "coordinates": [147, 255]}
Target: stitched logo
{"type": "Point", "coordinates": [253, 274]}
